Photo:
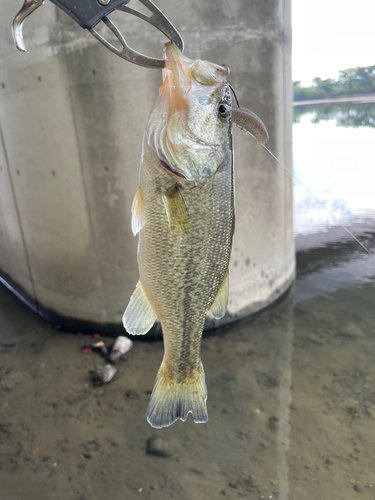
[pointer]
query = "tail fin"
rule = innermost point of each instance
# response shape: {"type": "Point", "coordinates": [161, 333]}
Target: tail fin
{"type": "Point", "coordinates": [171, 400]}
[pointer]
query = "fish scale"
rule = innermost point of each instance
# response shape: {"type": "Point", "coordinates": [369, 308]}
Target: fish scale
{"type": "Point", "coordinates": [183, 275]}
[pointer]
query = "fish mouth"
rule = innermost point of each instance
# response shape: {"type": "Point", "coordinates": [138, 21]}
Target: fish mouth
{"type": "Point", "coordinates": [181, 73]}
{"type": "Point", "coordinates": [184, 70]}
{"type": "Point", "coordinates": [187, 96]}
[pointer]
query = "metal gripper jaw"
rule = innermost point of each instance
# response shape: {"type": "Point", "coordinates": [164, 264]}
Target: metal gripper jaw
{"type": "Point", "coordinates": [28, 7]}
{"type": "Point", "coordinates": [89, 13]}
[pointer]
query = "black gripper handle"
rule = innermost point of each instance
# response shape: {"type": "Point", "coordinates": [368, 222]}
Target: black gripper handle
{"type": "Point", "coordinates": [88, 13]}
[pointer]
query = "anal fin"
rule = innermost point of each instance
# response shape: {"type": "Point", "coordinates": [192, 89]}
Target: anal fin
{"type": "Point", "coordinates": [220, 303]}
{"type": "Point", "coordinates": [177, 214]}
{"type": "Point", "coordinates": [139, 315]}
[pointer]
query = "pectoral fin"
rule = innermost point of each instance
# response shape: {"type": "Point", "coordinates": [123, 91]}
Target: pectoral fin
{"type": "Point", "coordinates": [219, 306]}
{"type": "Point", "coordinates": [138, 220]}
{"type": "Point", "coordinates": [139, 315]}
{"type": "Point", "coordinates": [177, 214]}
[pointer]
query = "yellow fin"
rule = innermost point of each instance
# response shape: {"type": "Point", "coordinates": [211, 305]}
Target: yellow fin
{"type": "Point", "coordinates": [177, 214]}
{"type": "Point", "coordinates": [219, 305]}
{"type": "Point", "coordinates": [172, 400]}
{"type": "Point", "coordinates": [139, 315]}
{"type": "Point", "coordinates": [138, 220]}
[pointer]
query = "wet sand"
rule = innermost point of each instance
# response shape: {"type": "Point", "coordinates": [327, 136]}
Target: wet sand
{"type": "Point", "coordinates": [291, 406]}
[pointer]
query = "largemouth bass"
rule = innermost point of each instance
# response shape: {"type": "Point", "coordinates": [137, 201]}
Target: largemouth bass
{"type": "Point", "coordinates": [184, 214]}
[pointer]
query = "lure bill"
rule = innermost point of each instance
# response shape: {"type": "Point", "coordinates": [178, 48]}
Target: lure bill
{"type": "Point", "coordinates": [249, 122]}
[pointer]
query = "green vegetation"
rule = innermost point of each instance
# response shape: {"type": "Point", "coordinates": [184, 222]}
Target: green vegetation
{"type": "Point", "coordinates": [352, 81]}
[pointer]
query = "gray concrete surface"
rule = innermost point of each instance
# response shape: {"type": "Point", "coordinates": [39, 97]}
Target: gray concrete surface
{"type": "Point", "coordinates": [72, 117]}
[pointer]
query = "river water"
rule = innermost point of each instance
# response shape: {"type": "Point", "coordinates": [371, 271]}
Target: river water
{"type": "Point", "coordinates": [334, 158]}
{"type": "Point", "coordinates": [291, 390]}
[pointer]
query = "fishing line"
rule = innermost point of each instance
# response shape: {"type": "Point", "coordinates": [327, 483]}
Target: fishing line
{"type": "Point", "coordinates": [316, 199]}
{"type": "Point", "coordinates": [320, 203]}
{"type": "Point", "coordinates": [235, 95]}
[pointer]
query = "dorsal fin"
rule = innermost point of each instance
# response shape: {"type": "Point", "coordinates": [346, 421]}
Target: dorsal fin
{"type": "Point", "coordinates": [138, 220]}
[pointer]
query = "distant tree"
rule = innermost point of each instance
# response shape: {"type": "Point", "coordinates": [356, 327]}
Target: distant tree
{"type": "Point", "coordinates": [351, 81]}
{"type": "Point", "coordinates": [325, 87]}
{"type": "Point", "coordinates": [302, 93]}
{"type": "Point", "coordinates": [358, 80]}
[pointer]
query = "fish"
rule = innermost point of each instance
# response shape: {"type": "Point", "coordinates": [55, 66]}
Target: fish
{"type": "Point", "coordinates": [183, 213]}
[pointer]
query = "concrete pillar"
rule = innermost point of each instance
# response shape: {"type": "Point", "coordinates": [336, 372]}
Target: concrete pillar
{"type": "Point", "coordinates": [72, 116]}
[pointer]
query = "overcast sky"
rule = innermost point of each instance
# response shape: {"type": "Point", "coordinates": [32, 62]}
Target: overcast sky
{"type": "Point", "coordinates": [330, 35]}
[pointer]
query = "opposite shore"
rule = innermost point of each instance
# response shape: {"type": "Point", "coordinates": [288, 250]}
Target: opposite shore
{"type": "Point", "coordinates": [361, 99]}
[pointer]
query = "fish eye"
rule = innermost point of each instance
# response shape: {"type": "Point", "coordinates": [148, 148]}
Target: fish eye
{"type": "Point", "coordinates": [224, 109]}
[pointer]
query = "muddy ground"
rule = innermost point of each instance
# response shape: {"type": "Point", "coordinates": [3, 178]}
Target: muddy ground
{"type": "Point", "coordinates": [291, 409]}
